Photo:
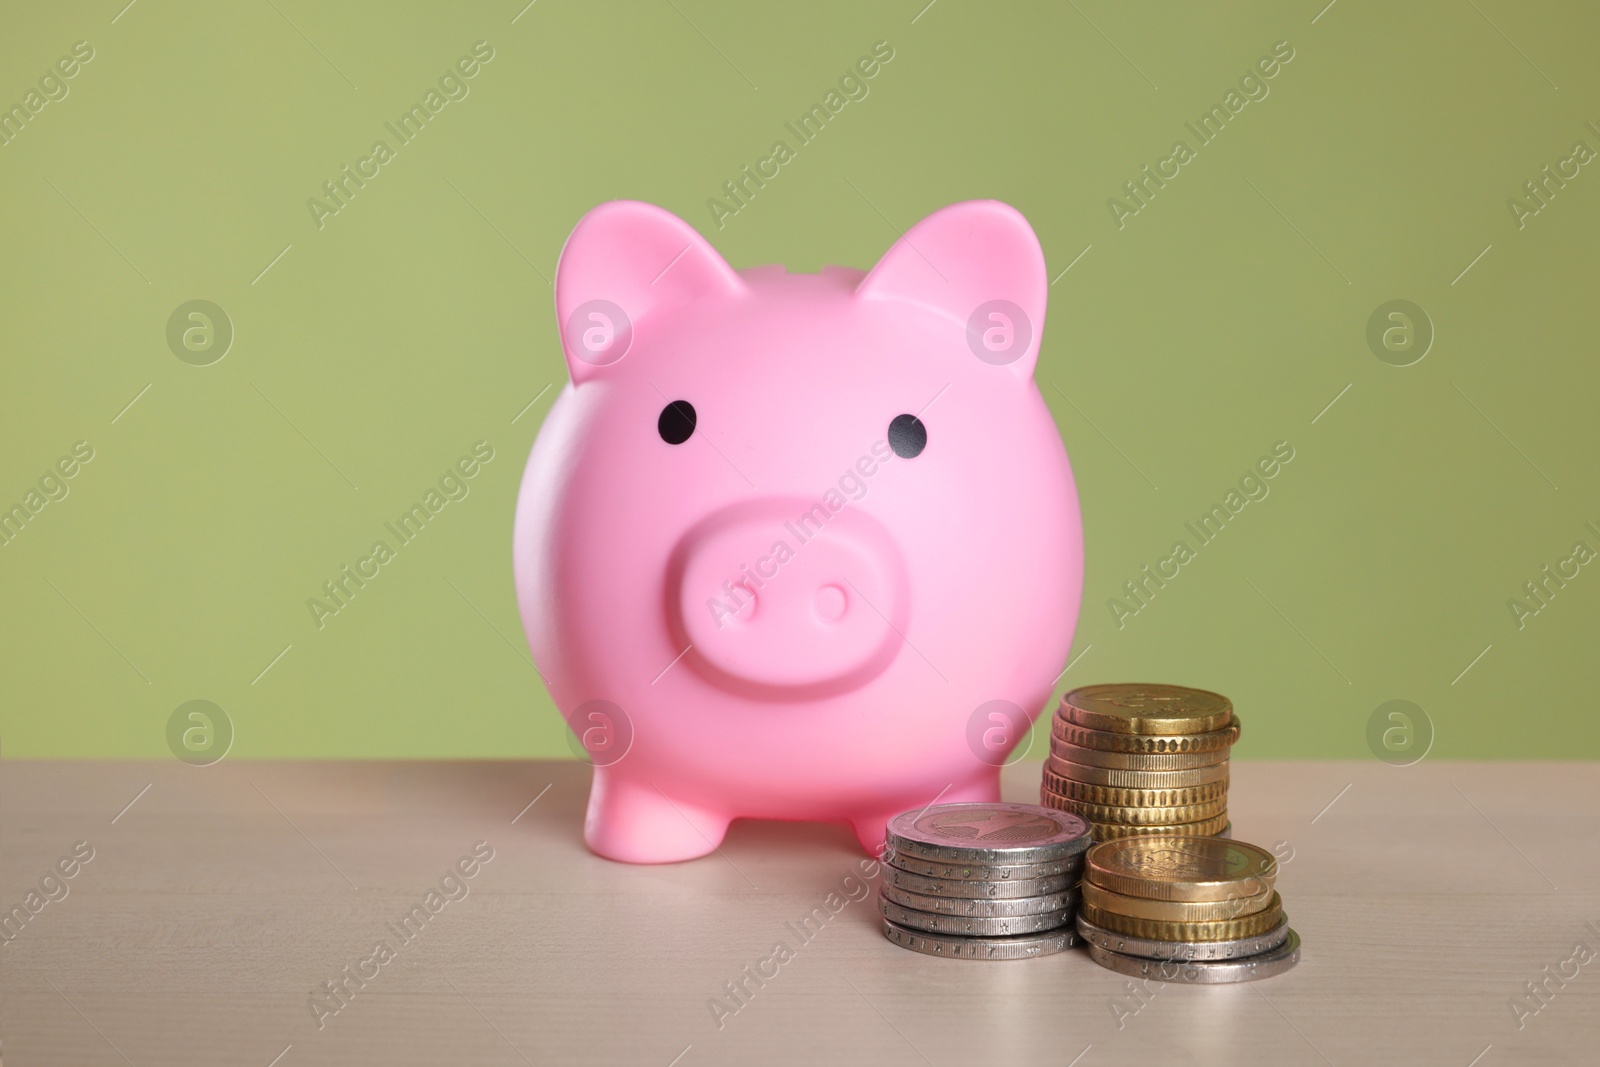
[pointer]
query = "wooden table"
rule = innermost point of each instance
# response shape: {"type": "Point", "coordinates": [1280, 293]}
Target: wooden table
{"type": "Point", "coordinates": [222, 898]}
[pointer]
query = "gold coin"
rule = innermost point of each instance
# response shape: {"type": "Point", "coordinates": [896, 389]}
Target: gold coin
{"type": "Point", "coordinates": [1090, 793]}
{"type": "Point", "coordinates": [1147, 708]}
{"type": "Point", "coordinates": [1132, 811]}
{"type": "Point", "coordinates": [1123, 814]}
{"type": "Point", "coordinates": [1104, 831]}
{"type": "Point", "coordinates": [1181, 867]}
{"type": "Point", "coordinates": [1214, 930]}
{"type": "Point", "coordinates": [1073, 734]}
{"type": "Point", "coordinates": [1177, 911]}
{"type": "Point", "coordinates": [1121, 779]}
{"type": "Point", "coordinates": [1135, 761]}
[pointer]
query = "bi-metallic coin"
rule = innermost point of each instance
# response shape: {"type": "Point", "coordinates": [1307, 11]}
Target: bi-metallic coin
{"type": "Point", "coordinates": [1198, 972]}
{"type": "Point", "coordinates": [981, 908]}
{"type": "Point", "coordinates": [1184, 950]}
{"type": "Point", "coordinates": [1020, 947]}
{"type": "Point", "coordinates": [997, 833]}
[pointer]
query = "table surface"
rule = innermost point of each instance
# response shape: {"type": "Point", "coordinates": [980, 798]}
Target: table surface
{"type": "Point", "coordinates": [221, 898]}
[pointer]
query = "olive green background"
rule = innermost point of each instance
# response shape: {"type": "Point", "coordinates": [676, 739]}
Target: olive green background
{"type": "Point", "coordinates": [1224, 317]}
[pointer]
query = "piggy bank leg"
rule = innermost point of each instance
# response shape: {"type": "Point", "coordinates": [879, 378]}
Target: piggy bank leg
{"type": "Point", "coordinates": [869, 826]}
{"type": "Point", "coordinates": [633, 821]}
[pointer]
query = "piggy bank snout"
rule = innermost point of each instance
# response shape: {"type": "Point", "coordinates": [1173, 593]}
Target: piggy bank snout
{"type": "Point", "coordinates": [784, 596]}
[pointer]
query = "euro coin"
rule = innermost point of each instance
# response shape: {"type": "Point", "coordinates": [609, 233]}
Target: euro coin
{"type": "Point", "coordinates": [1105, 831]}
{"type": "Point", "coordinates": [994, 833]}
{"type": "Point", "coordinates": [1179, 796]}
{"type": "Point", "coordinates": [1176, 911]}
{"type": "Point", "coordinates": [982, 948]}
{"type": "Point", "coordinates": [981, 908]}
{"type": "Point", "coordinates": [1181, 868]}
{"type": "Point", "coordinates": [936, 887]}
{"type": "Point", "coordinates": [1135, 761]}
{"type": "Point", "coordinates": [1135, 816]}
{"type": "Point", "coordinates": [1146, 708]}
{"type": "Point", "coordinates": [984, 872]}
{"type": "Point", "coordinates": [972, 926]}
{"type": "Point", "coordinates": [1120, 778]}
{"type": "Point", "coordinates": [1197, 972]}
{"type": "Point", "coordinates": [1212, 930]}
{"type": "Point", "coordinates": [1183, 950]}
{"type": "Point", "coordinates": [1214, 741]}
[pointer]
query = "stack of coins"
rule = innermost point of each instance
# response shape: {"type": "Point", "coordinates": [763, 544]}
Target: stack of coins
{"type": "Point", "coordinates": [1137, 759]}
{"type": "Point", "coordinates": [983, 881]}
{"type": "Point", "coordinates": [1185, 909]}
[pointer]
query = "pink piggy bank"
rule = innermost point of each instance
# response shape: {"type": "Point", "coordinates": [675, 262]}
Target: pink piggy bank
{"type": "Point", "coordinates": [796, 546]}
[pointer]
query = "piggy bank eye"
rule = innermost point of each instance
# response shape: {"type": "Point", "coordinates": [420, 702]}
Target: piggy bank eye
{"type": "Point", "coordinates": [676, 424]}
{"type": "Point", "coordinates": [907, 436]}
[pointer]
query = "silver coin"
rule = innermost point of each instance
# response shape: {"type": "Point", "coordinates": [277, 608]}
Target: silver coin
{"type": "Point", "coordinates": [1203, 972]}
{"type": "Point", "coordinates": [981, 907]}
{"type": "Point", "coordinates": [981, 948]}
{"type": "Point", "coordinates": [998, 833]}
{"type": "Point", "coordinates": [973, 926]}
{"type": "Point", "coordinates": [940, 887]}
{"type": "Point", "coordinates": [1183, 950]}
{"type": "Point", "coordinates": [984, 872]}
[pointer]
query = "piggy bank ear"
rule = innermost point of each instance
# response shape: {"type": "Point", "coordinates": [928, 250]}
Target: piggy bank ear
{"type": "Point", "coordinates": [624, 263]}
{"type": "Point", "coordinates": [979, 263]}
